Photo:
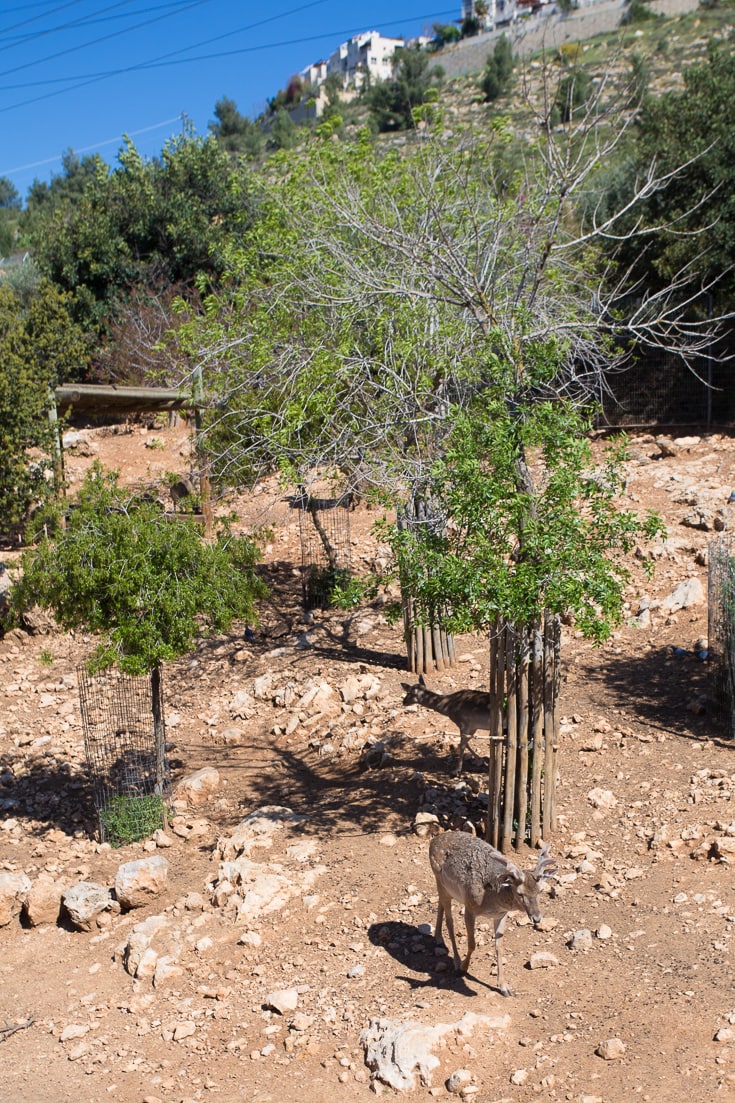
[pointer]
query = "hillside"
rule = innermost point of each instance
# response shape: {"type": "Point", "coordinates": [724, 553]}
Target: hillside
{"type": "Point", "coordinates": [339, 904]}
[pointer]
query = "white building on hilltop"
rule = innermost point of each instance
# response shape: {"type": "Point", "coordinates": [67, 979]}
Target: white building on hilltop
{"type": "Point", "coordinates": [367, 56]}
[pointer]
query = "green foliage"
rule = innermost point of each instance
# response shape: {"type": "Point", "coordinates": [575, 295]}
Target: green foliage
{"type": "Point", "coordinates": [637, 11]}
{"type": "Point", "coordinates": [166, 220]}
{"type": "Point", "coordinates": [573, 96]}
{"type": "Point", "coordinates": [498, 74]}
{"type": "Point", "coordinates": [691, 134]}
{"type": "Point", "coordinates": [471, 26]}
{"type": "Point", "coordinates": [445, 33]}
{"type": "Point", "coordinates": [128, 818]}
{"type": "Point", "coordinates": [235, 132]}
{"type": "Point", "coordinates": [393, 103]}
{"type": "Point", "coordinates": [522, 536]}
{"type": "Point", "coordinates": [39, 346]}
{"type": "Point", "coordinates": [283, 132]}
{"type": "Point", "coordinates": [149, 586]}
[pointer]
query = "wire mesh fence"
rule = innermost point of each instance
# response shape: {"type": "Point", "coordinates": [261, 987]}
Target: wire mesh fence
{"type": "Point", "coordinates": [125, 747]}
{"type": "Point", "coordinates": [663, 389]}
{"type": "Point", "coordinates": [721, 627]}
{"type": "Point", "coordinates": [324, 530]}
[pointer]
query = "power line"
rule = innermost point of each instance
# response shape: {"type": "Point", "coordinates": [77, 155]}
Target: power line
{"type": "Point", "coordinates": [168, 59]}
{"type": "Point", "coordinates": [95, 145]}
{"type": "Point", "coordinates": [84, 21]}
{"type": "Point", "coordinates": [103, 38]}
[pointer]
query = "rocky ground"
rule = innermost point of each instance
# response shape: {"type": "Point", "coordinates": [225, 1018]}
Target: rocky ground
{"type": "Point", "coordinates": [281, 955]}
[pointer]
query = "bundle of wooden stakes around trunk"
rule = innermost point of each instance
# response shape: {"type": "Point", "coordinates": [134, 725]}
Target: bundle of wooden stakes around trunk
{"type": "Point", "coordinates": [524, 732]}
{"type": "Point", "coordinates": [429, 646]}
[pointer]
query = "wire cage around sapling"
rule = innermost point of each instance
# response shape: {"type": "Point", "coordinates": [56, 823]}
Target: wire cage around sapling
{"type": "Point", "coordinates": [324, 530]}
{"type": "Point", "coordinates": [125, 747]}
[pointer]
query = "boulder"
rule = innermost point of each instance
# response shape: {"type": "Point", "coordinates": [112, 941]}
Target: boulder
{"type": "Point", "coordinates": [14, 888]}
{"type": "Point", "coordinates": [136, 883]}
{"type": "Point", "coordinates": [85, 901]}
{"type": "Point", "coordinates": [197, 788]}
{"type": "Point", "coordinates": [43, 902]}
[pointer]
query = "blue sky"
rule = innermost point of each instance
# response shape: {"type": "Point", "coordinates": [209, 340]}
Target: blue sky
{"type": "Point", "coordinates": [80, 73]}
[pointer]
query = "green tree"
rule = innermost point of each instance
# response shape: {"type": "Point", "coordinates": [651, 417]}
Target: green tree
{"type": "Point", "coordinates": [498, 74]}
{"type": "Point", "coordinates": [235, 132]}
{"type": "Point", "coordinates": [9, 197]}
{"type": "Point", "coordinates": [283, 133]}
{"type": "Point", "coordinates": [163, 221]}
{"type": "Point", "coordinates": [39, 346]}
{"type": "Point", "coordinates": [393, 103]}
{"type": "Point", "coordinates": [573, 96]}
{"type": "Point", "coordinates": [445, 33]}
{"type": "Point", "coordinates": [691, 224]}
{"type": "Point", "coordinates": [147, 587]}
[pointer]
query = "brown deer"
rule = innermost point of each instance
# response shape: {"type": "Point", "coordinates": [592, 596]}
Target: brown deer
{"type": "Point", "coordinates": [469, 709]}
{"type": "Point", "coordinates": [487, 883]}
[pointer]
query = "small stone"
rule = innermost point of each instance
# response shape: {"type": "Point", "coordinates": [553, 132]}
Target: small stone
{"type": "Point", "coordinates": [282, 1000]}
{"type": "Point", "coordinates": [458, 1081]}
{"type": "Point", "coordinates": [581, 940]}
{"type": "Point", "coordinates": [73, 1031]}
{"type": "Point", "coordinates": [542, 960]}
{"type": "Point", "coordinates": [604, 932]}
{"type": "Point", "coordinates": [519, 1077]}
{"type": "Point", "coordinates": [184, 1030]}
{"type": "Point", "coordinates": [612, 1049]}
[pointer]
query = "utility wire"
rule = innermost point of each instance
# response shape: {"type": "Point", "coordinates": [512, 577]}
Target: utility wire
{"type": "Point", "coordinates": [88, 20]}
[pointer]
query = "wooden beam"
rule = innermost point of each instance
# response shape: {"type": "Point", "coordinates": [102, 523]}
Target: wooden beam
{"type": "Point", "coordinates": [91, 398]}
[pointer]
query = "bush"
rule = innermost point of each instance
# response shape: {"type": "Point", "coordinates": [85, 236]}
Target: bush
{"type": "Point", "coordinates": [128, 818]}
{"type": "Point", "coordinates": [148, 586]}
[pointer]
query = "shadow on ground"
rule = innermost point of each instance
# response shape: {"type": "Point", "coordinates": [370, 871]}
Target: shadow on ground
{"type": "Point", "coordinates": [664, 688]}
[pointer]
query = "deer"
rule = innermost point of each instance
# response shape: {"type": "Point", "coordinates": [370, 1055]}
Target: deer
{"type": "Point", "coordinates": [469, 709]}
{"type": "Point", "coordinates": [485, 882]}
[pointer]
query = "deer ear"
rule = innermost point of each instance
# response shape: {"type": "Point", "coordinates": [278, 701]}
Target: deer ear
{"type": "Point", "coordinates": [406, 686]}
{"type": "Point", "coordinates": [421, 680]}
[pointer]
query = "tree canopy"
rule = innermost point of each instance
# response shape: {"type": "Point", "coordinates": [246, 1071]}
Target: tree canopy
{"type": "Point", "coordinates": [146, 585]}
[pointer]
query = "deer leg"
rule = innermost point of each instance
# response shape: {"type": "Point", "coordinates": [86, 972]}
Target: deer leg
{"type": "Point", "coordinates": [463, 741]}
{"type": "Point", "coordinates": [469, 922]}
{"type": "Point", "coordinates": [445, 907]}
{"type": "Point", "coordinates": [499, 926]}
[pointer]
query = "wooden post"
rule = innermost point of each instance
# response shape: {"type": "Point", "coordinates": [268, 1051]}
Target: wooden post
{"type": "Point", "coordinates": [57, 447]}
{"type": "Point", "coordinates": [537, 728]}
{"type": "Point", "coordinates": [205, 486]}
{"type": "Point", "coordinates": [549, 711]}
{"type": "Point", "coordinates": [511, 738]}
{"type": "Point", "coordinates": [524, 651]}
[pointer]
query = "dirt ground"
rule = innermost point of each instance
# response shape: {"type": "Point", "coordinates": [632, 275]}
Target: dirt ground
{"type": "Point", "coordinates": [646, 783]}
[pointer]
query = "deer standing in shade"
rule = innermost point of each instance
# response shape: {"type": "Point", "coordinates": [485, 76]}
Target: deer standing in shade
{"type": "Point", "coordinates": [469, 709]}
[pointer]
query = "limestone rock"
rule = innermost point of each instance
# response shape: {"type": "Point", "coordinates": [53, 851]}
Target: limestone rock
{"type": "Point", "coordinates": [197, 788]}
{"type": "Point", "coordinates": [612, 1049]}
{"type": "Point", "coordinates": [85, 901]}
{"type": "Point", "coordinates": [14, 888]}
{"type": "Point", "coordinates": [399, 1052]}
{"type": "Point", "coordinates": [282, 1000]}
{"type": "Point", "coordinates": [685, 595]}
{"type": "Point", "coordinates": [257, 829]}
{"type": "Point", "coordinates": [136, 883]}
{"type": "Point", "coordinates": [43, 902]}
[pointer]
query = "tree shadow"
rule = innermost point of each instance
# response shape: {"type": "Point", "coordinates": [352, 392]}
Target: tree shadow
{"type": "Point", "coordinates": [663, 687]}
{"type": "Point", "coordinates": [48, 795]}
